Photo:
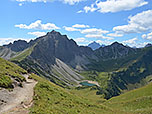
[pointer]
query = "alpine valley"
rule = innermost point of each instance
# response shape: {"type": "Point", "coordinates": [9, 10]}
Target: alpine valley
{"type": "Point", "coordinates": [73, 79]}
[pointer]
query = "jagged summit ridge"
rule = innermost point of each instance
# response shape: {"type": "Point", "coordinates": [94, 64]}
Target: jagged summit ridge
{"type": "Point", "coordinates": [94, 45]}
{"type": "Point", "coordinates": [114, 51]}
{"type": "Point", "coordinates": [53, 32]}
{"type": "Point", "coordinates": [17, 46]}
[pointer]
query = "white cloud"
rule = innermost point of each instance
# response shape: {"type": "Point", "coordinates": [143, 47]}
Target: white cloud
{"type": "Point", "coordinates": [115, 34]}
{"type": "Point", "coordinates": [114, 5]}
{"type": "Point", "coordinates": [98, 36]}
{"type": "Point", "coordinates": [138, 45]}
{"type": "Point", "coordinates": [80, 40]}
{"type": "Point", "coordinates": [35, 1]}
{"type": "Point", "coordinates": [141, 22]}
{"type": "Point", "coordinates": [37, 34]}
{"type": "Point", "coordinates": [80, 11]}
{"type": "Point", "coordinates": [142, 44]}
{"type": "Point", "coordinates": [94, 31]}
{"type": "Point", "coordinates": [88, 8]}
{"type": "Point", "coordinates": [144, 36]}
{"type": "Point", "coordinates": [70, 28]}
{"type": "Point", "coordinates": [70, 2]}
{"type": "Point", "coordinates": [147, 36]}
{"type": "Point", "coordinates": [119, 5]}
{"type": "Point", "coordinates": [75, 27]}
{"type": "Point", "coordinates": [130, 41]}
{"type": "Point", "coordinates": [20, 4]}
{"type": "Point", "coordinates": [106, 42]}
{"type": "Point", "coordinates": [11, 40]}
{"type": "Point", "coordinates": [80, 26]}
{"type": "Point", "coordinates": [133, 43]}
{"type": "Point", "coordinates": [38, 25]}
{"type": "Point", "coordinates": [99, 41]}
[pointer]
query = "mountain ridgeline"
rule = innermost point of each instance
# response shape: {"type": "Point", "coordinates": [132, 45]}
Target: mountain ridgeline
{"type": "Point", "coordinates": [63, 62]}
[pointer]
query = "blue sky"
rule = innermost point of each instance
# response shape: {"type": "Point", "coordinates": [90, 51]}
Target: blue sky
{"type": "Point", "coordinates": [104, 21]}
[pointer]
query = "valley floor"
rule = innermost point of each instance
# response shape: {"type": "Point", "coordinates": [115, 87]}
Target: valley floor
{"type": "Point", "coordinates": [18, 100]}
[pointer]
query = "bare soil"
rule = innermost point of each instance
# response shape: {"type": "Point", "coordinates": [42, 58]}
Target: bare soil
{"type": "Point", "coordinates": [19, 99]}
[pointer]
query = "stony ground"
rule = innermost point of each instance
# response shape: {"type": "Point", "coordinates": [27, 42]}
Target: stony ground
{"type": "Point", "coordinates": [19, 100]}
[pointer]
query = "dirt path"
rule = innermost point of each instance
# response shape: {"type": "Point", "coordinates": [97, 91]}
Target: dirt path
{"type": "Point", "coordinates": [18, 100]}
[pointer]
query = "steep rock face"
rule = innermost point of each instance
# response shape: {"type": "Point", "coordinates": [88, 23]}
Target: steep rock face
{"type": "Point", "coordinates": [65, 72]}
{"type": "Point", "coordinates": [54, 45]}
{"type": "Point", "coordinates": [114, 51]}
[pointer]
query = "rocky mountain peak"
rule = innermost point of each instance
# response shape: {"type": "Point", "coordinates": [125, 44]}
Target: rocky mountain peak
{"type": "Point", "coordinates": [115, 44]}
{"type": "Point", "coordinates": [54, 45]}
{"type": "Point", "coordinates": [53, 32]}
{"type": "Point", "coordinates": [114, 51]}
{"type": "Point", "coordinates": [94, 45]}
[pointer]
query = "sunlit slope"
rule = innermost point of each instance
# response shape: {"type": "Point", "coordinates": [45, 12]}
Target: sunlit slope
{"type": "Point", "coordinates": [138, 101]}
{"type": "Point", "coordinates": [52, 99]}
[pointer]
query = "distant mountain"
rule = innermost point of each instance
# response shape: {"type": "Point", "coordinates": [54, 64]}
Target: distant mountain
{"type": "Point", "coordinates": [94, 45]}
{"type": "Point", "coordinates": [17, 46]}
{"type": "Point", "coordinates": [114, 51]}
{"type": "Point", "coordinates": [113, 57]}
{"type": "Point", "coordinates": [148, 45]}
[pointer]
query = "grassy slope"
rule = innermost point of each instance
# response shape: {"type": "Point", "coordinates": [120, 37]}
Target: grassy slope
{"type": "Point", "coordinates": [9, 70]}
{"type": "Point", "coordinates": [138, 101]}
{"type": "Point", "coordinates": [52, 99]}
{"type": "Point", "coordinates": [88, 93]}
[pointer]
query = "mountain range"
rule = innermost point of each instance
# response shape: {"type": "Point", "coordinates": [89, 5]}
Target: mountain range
{"type": "Point", "coordinates": [66, 64]}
